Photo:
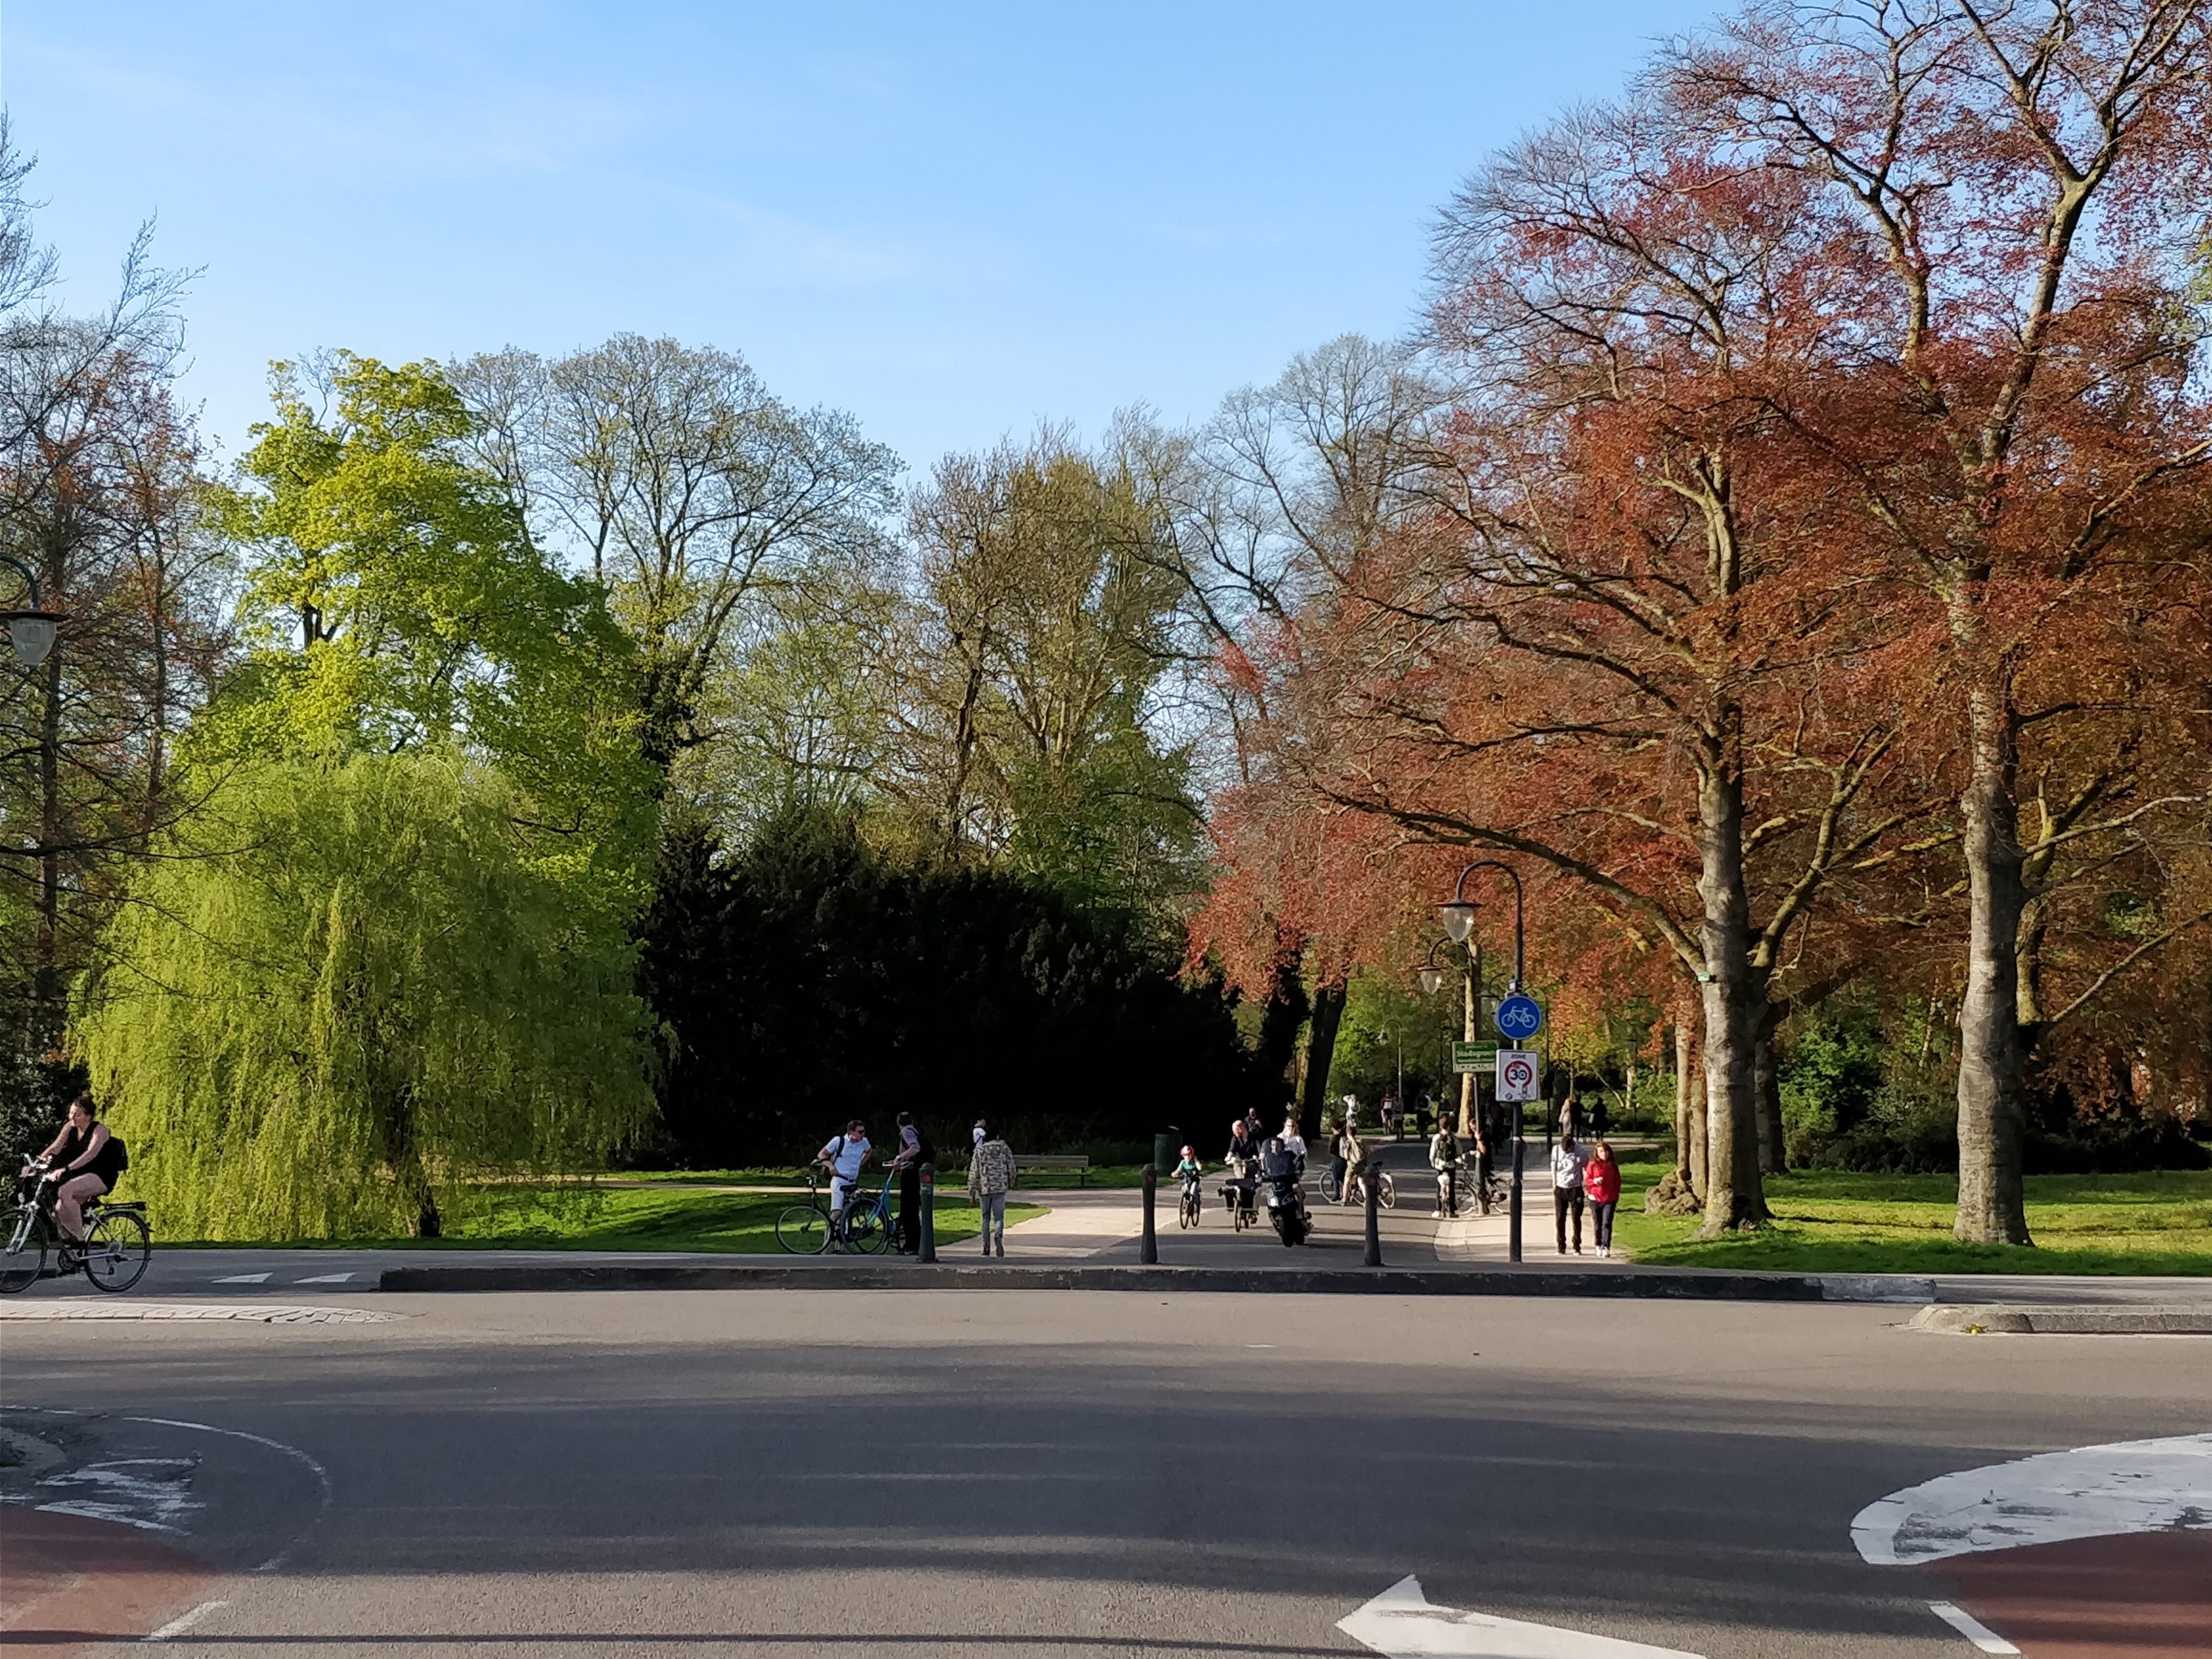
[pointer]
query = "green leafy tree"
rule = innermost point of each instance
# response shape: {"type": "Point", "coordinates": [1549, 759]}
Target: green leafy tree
{"type": "Point", "coordinates": [395, 600]}
{"type": "Point", "coordinates": [1037, 656]}
{"type": "Point", "coordinates": [371, 995]}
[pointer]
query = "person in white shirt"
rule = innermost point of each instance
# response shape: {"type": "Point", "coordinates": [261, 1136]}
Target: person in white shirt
{"type": "Point", "coordinates": [1295, 1144]}
{"type": "Point", "coordinates": [844, 1157]}
{"type": "Point", "coordinates": [1567, 1162]}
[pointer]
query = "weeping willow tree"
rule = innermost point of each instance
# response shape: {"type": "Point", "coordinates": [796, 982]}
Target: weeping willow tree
{"type": "Point", "coordinates": [374, 993]}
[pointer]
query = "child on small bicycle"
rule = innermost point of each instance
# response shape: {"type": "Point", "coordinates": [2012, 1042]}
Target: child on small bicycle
{"type": "Point", "coordinates": [1189, 1170]}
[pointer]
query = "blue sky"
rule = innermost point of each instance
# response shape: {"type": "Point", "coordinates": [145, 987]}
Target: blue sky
{"type": "Point", "coordinates": [951, 220]}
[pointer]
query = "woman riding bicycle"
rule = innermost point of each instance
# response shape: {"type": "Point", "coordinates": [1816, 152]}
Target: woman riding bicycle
{"type": "Point", "coordinates": [81, 1163]}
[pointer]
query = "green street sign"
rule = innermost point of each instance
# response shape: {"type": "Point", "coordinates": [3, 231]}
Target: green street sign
{"type": "Point", "coordinates": [1474, 1057]}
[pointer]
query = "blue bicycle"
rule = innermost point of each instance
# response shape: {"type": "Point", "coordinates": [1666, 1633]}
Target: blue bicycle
{"type": "Point", "coordinates": [870, 1224]}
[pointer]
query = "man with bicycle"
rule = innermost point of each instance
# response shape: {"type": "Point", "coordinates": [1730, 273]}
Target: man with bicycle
{"type": "Point", "coordinates": [844, 1157]}
{"type": "Point", "coordinates": [1443, 1158]}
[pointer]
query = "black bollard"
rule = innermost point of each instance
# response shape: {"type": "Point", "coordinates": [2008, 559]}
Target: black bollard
{"type": "Point", "coordinates": [929, 1212]}
{"type": "Point", "coordinates": [1513, 1228]}
{"type": "Point", "coordinates": [1149, 1251]}
{"type": "Point", "coordinates": [1373, 1217]}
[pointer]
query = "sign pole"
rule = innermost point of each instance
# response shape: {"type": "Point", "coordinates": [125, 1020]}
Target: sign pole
{"type": "Point", "coordinates": [1513, 1225]}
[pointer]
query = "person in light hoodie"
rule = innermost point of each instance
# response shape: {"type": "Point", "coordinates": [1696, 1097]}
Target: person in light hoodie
{"type": "Point", "coordinates": [1568, 1162]}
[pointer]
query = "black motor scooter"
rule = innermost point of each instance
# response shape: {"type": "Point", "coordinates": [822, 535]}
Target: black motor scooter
{"type": "Point", "coordinates": [1285, 1199]}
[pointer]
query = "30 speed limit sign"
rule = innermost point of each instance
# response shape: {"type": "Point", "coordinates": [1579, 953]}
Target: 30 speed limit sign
{"type": "Point", "coordinates": [1520, 1075]}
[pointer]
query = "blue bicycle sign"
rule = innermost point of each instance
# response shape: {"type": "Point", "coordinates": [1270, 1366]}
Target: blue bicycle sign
{"type": "Point", "coordinates": [1519, 1018]}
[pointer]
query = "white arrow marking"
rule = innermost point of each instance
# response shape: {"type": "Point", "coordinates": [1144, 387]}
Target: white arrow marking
{"type": "Point", "coordinates": [2092, 1491]}
{"type": "Point", "coordinates": [245, 1278]}
{"type": "Point", "coordinates": [324, 1279]}
{"type": "Point", "coordinates": [1400, 1623]}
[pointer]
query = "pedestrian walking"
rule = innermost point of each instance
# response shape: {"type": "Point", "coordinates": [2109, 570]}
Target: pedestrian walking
{"type": "Point", "coordinates": [1597, 1118]}
{"type": "Point", "coordinates": [1601, 1181]}
{"type": "Point", "coordinates": [1567, 1162]}
{"type": "Point", "coordinates": [908, 1161]}
{"type": "Point", "coordinates": [1443, 1158]}
{"type": "Point", "coordinates": [990, 1177]}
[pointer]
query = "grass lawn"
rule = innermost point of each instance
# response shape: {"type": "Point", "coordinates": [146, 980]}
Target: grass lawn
{"type": "Point", "coordinates": [1103, 1174]}
{"type": "Point", "coordinates": [569, 1218]}
{"type": "Point", "coordinates": [2157, 1222]}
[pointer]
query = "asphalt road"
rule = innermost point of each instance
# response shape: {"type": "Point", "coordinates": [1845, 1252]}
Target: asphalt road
{"type": "Point", "coordinates": [1014, 1473]}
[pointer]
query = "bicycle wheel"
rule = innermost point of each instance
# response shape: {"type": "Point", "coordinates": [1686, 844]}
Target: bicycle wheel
{"type": "Point", "coordinates": [1386, 1190]}
{"type": "Point", "coordinates": [867, 1231]}
{"type": "Point", "coordinates": [117, 1248]}
{"type": "Point", "coordinates": [803, 1229]}
{"type": "Point", "coordinates": [23, 1247]}
{"type": "Point", "coordinates": [1332, 1190]}
{"type": "Point", "coordinates": [1189, 1214]}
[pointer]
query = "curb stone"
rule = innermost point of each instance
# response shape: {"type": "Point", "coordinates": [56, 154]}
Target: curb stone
{"type": "Point", "coordinates": [1381, 1281]}
{"type": "Point", "coordinates": [2035, 1320]}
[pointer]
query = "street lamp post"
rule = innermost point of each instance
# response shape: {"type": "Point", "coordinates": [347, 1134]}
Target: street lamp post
{"type": "Point", "coordinates": [1457, 912]}
{"type": "Point", "coordinates": [30, 632]}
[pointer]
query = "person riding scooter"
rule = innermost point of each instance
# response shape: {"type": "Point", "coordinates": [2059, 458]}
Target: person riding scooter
{"type": "Point", "coordinates": [1279, 1174]}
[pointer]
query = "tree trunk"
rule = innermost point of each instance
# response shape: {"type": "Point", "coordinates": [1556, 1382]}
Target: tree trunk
{"type": "Point", "coordinates": [1774, 1152]}
{"type": "Point", "coordinates": [1321, 1047]}
{"type": "Point", "coordinates": [1683, 1115]}
{"type": "Point", "coordinates": [1735, 1198]}
{"type": "Point", "coordinates": [1992, 1203]}
{"type": "Point", "coordinates": [1277, 1059]}
{"type": "Point", "coordinates": [1700, 1175]}
{"type": "Point", "coordinates": [1470, 1098]}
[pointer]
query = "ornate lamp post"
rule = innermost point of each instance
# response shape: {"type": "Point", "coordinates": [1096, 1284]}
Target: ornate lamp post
{"type": "Point", "coordinates": [30, 632]}
{"type": "Point", "coordinates": [1457, 912]}
{"type": "Point", "coordinates": [1457, 916]}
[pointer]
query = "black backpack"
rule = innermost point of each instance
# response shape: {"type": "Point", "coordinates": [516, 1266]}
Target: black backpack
{"type": "Point", "coordinates": [122, 1151]}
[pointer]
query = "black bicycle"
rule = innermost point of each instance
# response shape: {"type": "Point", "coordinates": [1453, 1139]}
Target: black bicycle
{"type": "Point", "coordinates": [1187, 1215]}
{"type": "Point", "coordinates": [117, 1248]}
{"type": "Point", "coordinates": [1386, 1189]}
{"type": "Point", "coordinates": [1468, 1191]}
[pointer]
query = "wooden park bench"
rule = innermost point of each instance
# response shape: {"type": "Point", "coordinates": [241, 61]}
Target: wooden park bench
{"type": "Point", "coordinates": [1023, 1162]}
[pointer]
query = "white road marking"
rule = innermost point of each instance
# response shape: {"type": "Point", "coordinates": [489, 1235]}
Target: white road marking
{"type": "Point", "coordinates": [1401, 1623]}
{"type": "Point", "coordinates": [244, 1278]}
{"type": "Point", "coordinates": [150, 1493]}
{"type": "Point", "coordinates": [265, 1313]}
{"type": "Point", "coordinates": [2092, 1491]}
{"type": "Point", "coordinates": [1971, 1627]}
{"type": "Point", "coordinates": [324, 1279]}
{"type": "Point", "coordinates": [322, 1475]}
{"type": "Point", "coordinates": [184, 1622]}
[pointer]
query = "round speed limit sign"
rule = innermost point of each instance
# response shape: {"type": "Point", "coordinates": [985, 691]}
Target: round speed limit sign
{"type": "Point", "coordinates": [1516, 1076]}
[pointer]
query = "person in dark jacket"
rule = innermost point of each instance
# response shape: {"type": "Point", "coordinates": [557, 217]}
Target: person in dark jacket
{"type": "Point", "coordinates": [908, 1161]}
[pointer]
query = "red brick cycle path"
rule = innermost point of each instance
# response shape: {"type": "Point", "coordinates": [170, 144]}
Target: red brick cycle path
{"type": "Point", "coordinates": [68, 1583]}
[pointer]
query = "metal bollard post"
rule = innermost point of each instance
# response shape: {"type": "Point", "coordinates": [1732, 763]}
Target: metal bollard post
{"type": "Point", "coordinates": [1513, 1228]}
{"type": "Point", "coordinates": [929, 1212]}
{"type": "Point", "coordinates": [1149, 1251]}
{"type": "Point", "coordinates": [1374, 1216]}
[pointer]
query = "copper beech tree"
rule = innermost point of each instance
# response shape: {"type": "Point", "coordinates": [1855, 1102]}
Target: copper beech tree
{"type": "Point", "coordinates": [1821, 493]}
{"type": "Point", "coordinates": [2013, 392]}
{"type": "Point", "coordinates": [1619, 639]}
